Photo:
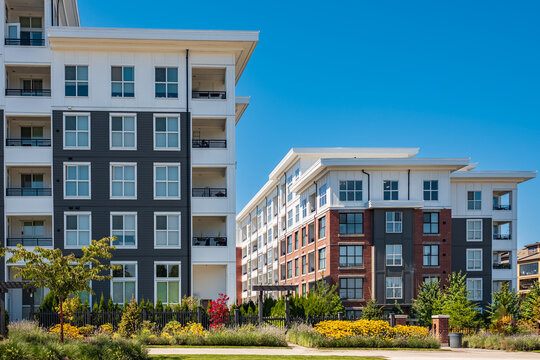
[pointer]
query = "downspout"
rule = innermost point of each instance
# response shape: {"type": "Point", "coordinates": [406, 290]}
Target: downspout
{"type": "Point", "coordinates": [316, 230]}
{"type": "Point", "coordinates": [368, 189]}
{"type": "Point", "coordinates": [409, 184]}
{"type": "Point", "coordinates": [188, 150]}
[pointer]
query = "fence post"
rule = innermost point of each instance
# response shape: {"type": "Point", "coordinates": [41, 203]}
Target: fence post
{"type": "Point", "coordinates": [287, 312]}
{"type": "Point", "coordinates": [260, 307]}
{"type": "Point", "coordinates": [199, 315]}
{"type": "Point", "coordinates": [237, 317]}
{"type": "Point", "coordinates": [144, 314]}
{"type": "Point", "coordinates": [340, 315]}
{"type": "Point", "coordinates": [88, 319]}
{"type": "Point", "coordinates": [392, 319]}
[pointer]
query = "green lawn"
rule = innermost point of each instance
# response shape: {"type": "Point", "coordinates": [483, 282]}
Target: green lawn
{"type": "Point", "coordinates": [259, 357]}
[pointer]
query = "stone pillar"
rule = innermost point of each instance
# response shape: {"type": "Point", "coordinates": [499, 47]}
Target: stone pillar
{"type": "Point", "coordinates": [400, 319]}
{"type": "Point", "coordinates": [440, 328]}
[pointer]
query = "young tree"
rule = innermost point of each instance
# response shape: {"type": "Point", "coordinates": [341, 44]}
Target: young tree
{"type": "Point", "coordinates": [428, 302]}
{"type": "Point", "coordinates": [63, 275]}
{"type": "Point", "coordinates": [530, 308]}
{"type": "Point", "coordinates": [503, 310]}
{"type": "Point", "coordinates": [323, 299]}
{"type": "Point", "coordinates": [371, 311]}
{"type": "Point", "coordinates": [131, 320]}
{"type": "Point", "coordinates": [463, 312]}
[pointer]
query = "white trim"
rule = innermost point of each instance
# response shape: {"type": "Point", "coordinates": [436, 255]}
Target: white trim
{"type": "Point", "coordinates": [467, 259]}
{"type": "Point", "coordinates": [75, 163]}
{"type": "Point", "coordinates": [386, 287]}
{"type": "Point", "coordinates": [121, 164]}
{"type": "Point", "coordinates": [76, 115]}
{"type": "Point", "coordinates": [481, 289]}
{"type": "Point", "coordinates": [122, 82]}
{"type": "Point", "coordinates": [124, 213]}
{"type": "Point", "coordinates": [166, 115]}
{"type": "Point", "coordinates": [165, 213]}
{"type": "Point", "coordinates": [394, 258]}
{"type": "Point", "coordinates": [77, 213]}
{"type": "Point", "coordinates": [130, 262]}
{"type": "Point", "coordinates": [76, 81]}
{"type": "Point", "coordinates": [179, 263]}
{"type": "Point", "coordinates": [467, 230]}
{"type": "Point", "coordinates": [159, 164]}
{"type": "Point", "coordinates": [166, 67]}
{"type": "Point", "coordinates": [394, 222]}
{"type": "Point", "coordinates": [122, 115]}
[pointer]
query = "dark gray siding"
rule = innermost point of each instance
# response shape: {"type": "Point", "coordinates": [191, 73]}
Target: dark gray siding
{"type": "Point", "coordinates": [406, 271]}
{"type": "Point", "coordinates": [459, 253]}
{"type": "Point", "coordinates": [100, 206]}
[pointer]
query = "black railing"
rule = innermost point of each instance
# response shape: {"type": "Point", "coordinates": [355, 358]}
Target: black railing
{"type": "Point", "coordinates": [502, 236]}
{"type": "Point", "coordinates": [28, 142]}
{"type": "Point", "coordinates": [28, 192]}
{"type": "Point", "coordinates": [209, 192]}
{"type": "Point", "coordinates": [501, 266]}
{"type": "Point", "coordinates": [502, 207]}
{"type": "Point", "coordinates": [213, 95]}
{"type": "Point", "coordinates": [23, 92]}
{"type": "Point", "coordinates": [29, 241]}
{"type": "Point", "coordinates": [25, 42]}
{"type": "Point", "coordinates": [209, 241]}
{"type": "Point", "coordinates": [209, 144]}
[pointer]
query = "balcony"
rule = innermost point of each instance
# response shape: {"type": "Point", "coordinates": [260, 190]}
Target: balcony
{"type": "Point", "coordinates": [24, 23]}
{"type": "Point", "coordinates": [208, 83]}
{"type": "Point", "coordinates": [209, 141]}
{"type": "Point", "coordinates": [209, 192]}
{"type": "Point", "coordinates": [29, 231]}
{"type": "Point", "coordinates": [502, 200]}
{"type": "Point", "coordinates": [28, 192]}
{"type": "Point", "coordinates": [209, 182]}
{"type": "Point", "coordinates": [28, 139]}
{"type": "Point", "coordinates": [502, 230]}
{"type": "Point", "coordinates": [502, 259]}
{"type": "Point", "coordinates": [28, 92]}
{"type": "Point", "coordinates": [28, 142]}
{"type": "Point", "coordinates": [28, 81]}
{"type": "Point", "coordinates": [209, 231]}
{"type": "Point", "coordinates": [209, 144]}
{"type": "Point", "coordinates": [526, 284]}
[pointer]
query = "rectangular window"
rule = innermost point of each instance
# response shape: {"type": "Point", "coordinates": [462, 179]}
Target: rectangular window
{"type": "Point", "coordinates": [474, 289]}
{"type": "Point", "coordinates": [76, 80]}
{"type": "Point", "coordinates": [394, 288]}
{"type": "Point", "coordinates": [123, 132]}
{"type": "Point", "coordinates": [430, 279]}
{"type": "Point", "coordinates": [351, 223]}
{"type": "Point", "coordinates": [474, 200]}
{"type": "Point", "coordinates": [351, 256]}
{"type": "Point", "coordinates": [350, 190]}
{"type": "Point", "coordinates": [304, 290]}
{"type": "Point", "coordinates": [322, 259]}
{"type": "Point", "coordinates": [166, 230]}
{"type": "Point", "coordinates": [528, 269]}
{"type": "Point", "coordinates": [431, 223]}
{"type": "Point", "coordinates": [289, 183]}
{"type": "Point", "coordinates": [167, 132]}
{"type": "Point", "coordinates": [351, 288]}
{"type": "Point", "coordinates": [304, 265]}
{"type": "Point", "coordinates": [394, 255]}
{"type": "Point", "coordinates": [124, 228]}
{"type": "Point", "coordinates": [77, 132]}
{"type": "Point", "coordinates": [474, 259]}
{"type": "Point", "coordinates": [322, 195]}
{"type": "Point", "coordinates": [167, 279]}
{"type": "Point", "coordinates": [123, 181]}
{"type": "Point", "coordinates": [269, 211]}
{"type": "Point", "coordinates": [77, 181]}
{"type": "Point", "coordinates": [124, 282]}
{"type": "Point", "coordinates": [304, 237]}
{"type": "Point", "coordinates": [282, 271]}
{"type": "Point", "coordinates": [431, 255]}
{"type": "Point", "coordinates": [296, 267]}
{"type": "Point", "coordinates": [390, 190]}
{"type": "Point", "coordinates": [311, 262]}
{"type": "Point", "coordinates": [77, 229]}
{"type": "Point", "coordinates": [289, 244]}
{"type": "Point", "coordinates": [296, 240]}
{"type": "Point", "coordinates": [269, 259]}
{"type": "Point", "coordinates": [304, 208]}
{"type": "Point", "coordinates": [322, 227]}
{"type": "Point", "coordinates": [123, 81]}
{"type": "Point", "coordinates": [431, 190]}
{"type": "Point", "coordinates": [166, 82]}
{"type": "Point", "coordinates": [289, 218]}
{"type": "Point", "coordinates": [394, 221]}
{"type": "Point", "coordinates": [166, 181]}
{"type": "Point", "coordinates": [289, 269]}
{"type": "Point", "coordinates": [474, 230]}
{"type": "Point", "coordinates": [297, 214]}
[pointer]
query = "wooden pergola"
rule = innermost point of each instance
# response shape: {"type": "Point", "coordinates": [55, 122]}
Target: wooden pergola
{"type": "Point", "coordinates": [4, 288]}
{"type": "Point", "coordinates": [262, 288]}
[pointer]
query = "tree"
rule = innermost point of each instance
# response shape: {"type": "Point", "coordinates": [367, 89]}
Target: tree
{"type": "Point", "coordinates": [131, 320]}
{"type": "Point", "coordinates": [503, 310]}
{"type": "Point", "coordinates": [371, 311]}
{"type": "Point", "coordinates": [219, 312]}
{"type": "Point", "coordinates": [530, 309]}
{"type": "Point", "coordinates": [428, 302]}
{"type": "Point", "coordinates": [63, 275]}
{"type": "Point", "coordinates": [323, 299]}
{"type": "Point", "coordinates": [463, 312]}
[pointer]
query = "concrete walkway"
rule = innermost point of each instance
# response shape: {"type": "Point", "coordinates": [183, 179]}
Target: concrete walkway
{"type": "Point", "coordinates": [458, 354]}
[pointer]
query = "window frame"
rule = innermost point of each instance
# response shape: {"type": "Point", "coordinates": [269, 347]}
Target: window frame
{"type": "Point", "coordinates": [479, 280]}
{"type": "Point", "coordinates": [355, 289]}
{"type": "Point", "coordinates": [76, 163]}
{"type": "Point", "coordinates": [430, 256]}
{"type": "Point", "coordinates": [77, 213]}
{"type": "Point", "coordinates": [430, 223]}
{"type": "Point", "coordinates": [391, 191]}
{"type": "Point", "coordinates": [322, 260]}
{"type": "Point", "coordinates": [481, 260]}
{"type": "Point", "coordinates": [474, 201]}
{"type": "Point", "coordinates": [346, 191]}
{"type": "Point", "coordinates": [77, 81]}
{"type": "Point", "coordinates": [166, 83]}
{"type": "Point", "coordinates": [470, 221]}
{"type": "Point", "coordinates": [345, 264]}
{"type": "Point", "coordinates": [393, 256]}
{"type": "Point", "coordinates": [429, 191]}
{"type": "Point", "coordinates": [323, 190]}
{"type": "Point", "coordinates": [123, 82]}
{"type": "Point", "coordinates": [121, 164]}
{"type": "Point", "coordinates": [168, 213]}
{"type": "Point", "coordinates": [123, 214]}
{"type": "Point", "coordinates": [121, 262]}
{"type": "Point", "coordinates": [394, 288]}
{"type": "Point", "coordinates": [179, 263]}
{"type": "Point", "coordinates": [394, 222]}
{"type": "Point", "coordinates": [355, 224]}
{"type": "Point", "coordinates": [123, 147]}
{"type": "Point", "coordinates": [76, 115]}
{"type": "Point", "coordinates": [321, 224]}
{"type": "Point", "coordinates": [167, 132]}
{"type": "Point", "coordinates": [167, 164]}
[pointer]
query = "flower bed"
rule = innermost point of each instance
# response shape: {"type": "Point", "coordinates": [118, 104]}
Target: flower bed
{"type": "Point", "coordinates": [523, 342]}
{"type": "Point", "coordinates": [339, 329]}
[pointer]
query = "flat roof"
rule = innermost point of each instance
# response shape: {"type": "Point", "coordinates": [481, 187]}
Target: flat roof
{"type": "Point", "coordinates": [499, 176]}
{"type": "Point", "coordinates": [241, 104]}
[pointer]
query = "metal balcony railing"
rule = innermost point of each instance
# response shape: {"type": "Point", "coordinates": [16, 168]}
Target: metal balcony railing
{"type": "Point", "coordinates": [30, 241]}
{"type": "Point", "coordinates": [28, 192]}
{"type": "Point", "coordinates": [23, 92]}
{"type": "Point", "coordinates": [212, 95]}
{"type": "Point", "coordinates": [209, 144]}
{"type": "Point", "coordinates": [28, 142]}
{"type": "Point", "coordinates": [24, 42]}
{"type": "Point", "coordinates": [502, 236]}
{"type": "Point", "coordinates": [501, 266]}
{"type": "Point", "coordinates": [209, 241]}
{"type": "Point", "coordinates": [209, 192]}
{"type": "Point", "coordinates": [502, 207]}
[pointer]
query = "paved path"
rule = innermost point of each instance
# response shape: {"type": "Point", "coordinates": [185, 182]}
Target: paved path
{"type": "Point", "coordinates": [458, 354]}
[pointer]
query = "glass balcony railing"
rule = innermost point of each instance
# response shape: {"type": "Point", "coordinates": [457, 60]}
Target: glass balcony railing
{"type": "Point", "coordinates": [28, 192]}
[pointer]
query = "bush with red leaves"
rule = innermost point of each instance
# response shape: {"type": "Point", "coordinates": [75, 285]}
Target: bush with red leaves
{"type": "Point", "coordinates": [219, 311]}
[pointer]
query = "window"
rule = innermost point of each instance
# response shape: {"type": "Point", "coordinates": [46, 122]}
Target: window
{"type": "Point", "coordinates": [77, 231]}
{"type": "Point", "coordinates": [322, 196]}
{"type": "Point", "coordinates": [322, 259]}
{"type": "Point", "coordinates": [304, 265]}
{"type": "Point", "coordinates": [296, 240]}
{"type": "Point", "coordinates": [350, 190]}
{"type": "Point", "coordinates": [167, 132]}
{"type": "Point", "coordinates": [167, 278]}
{"type": "Point", "coordinates": [76, 80]}
{"type": "Point", "coordinates": [124, 228]}
{"type": "Point", "coordinates": [31, 31]}
{"type": "Point", "coordinates": [474, 289]}
{"type": "Point", "coordinates": [304, 208]}
{"type": "Point", "coordinates": [296, 267]}
{"type": "Point", "coordinates": [431, 190]}
{"type": "Point", "coordinates": [394, 255]}
{"type": "Point", "coordinates": [289, 218]}
{"type": "Point", "coordinates": [474, 230]}
{"type": "Point", "coordinates": [167, 82]}
{"type": "Point", "coordinates": [289, 269]}
{"type": "Point", "coordinates": [322, 227]}
{"type": "Point", "coordinates": [351, 288]}
{"type": "Point", "coordinates": [474, 259]}
{"type": "Point", "coordinates": [123, 81]}
{"type": "Point", "coordinates": [289, 183]}
{"type": "Point", "coordinates": [297, 214]}
{"type": "Point", "coordinates": [311, 262]}
{"type": "Point", "coordinates": [430, 278]}
{"type": "Point", "coordinates": [269, 211]}
{"type": "Point", "coordinates": [351, 255]}
{"type": "Point", "coordinates": [166, 181]}
{"type": "Point", "coordinates": [123, 132]}
{"type": "Point", "coordinates": [269, 257]}
{"type": "Point", "coordinates": [77, 132]}
{"type": "Point", "coordinates": [282, 268]}
{"type": "Point", "coordinates": [390, 190]}
{"type": "Point", "coordinates": [123, 181]}
{"type": "Point", "coordinates": [289, 244]}
{"type": "Point", "coordinates": [304, 236]}
{"type": "Point", "coordinates": [474, 200]}
{"type": "Point", "coordinates": [528, 269]}
{"type": "Point", "coordinates": [394, 222]}
{"type": "Point", "coordinates": [76, 180]}
{"type": "Point", "coordinates": [124, 282]}
{"type": "Point", "coordinates": [431, 255]}
{"type": "Point", "coordinates": [304, 290]}
{"type": "Point", "coordinates": [167, 230]}
{"type": "Point", "coordinates": [393, 288]}
{"type": "Point", "coordinates": [431, 223]}
{"type": "Point", "coordinates": [351, 223]}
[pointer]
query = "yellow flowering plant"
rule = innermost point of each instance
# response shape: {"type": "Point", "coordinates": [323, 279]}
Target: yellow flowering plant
{"type": "Point", "coordinates": [175, 328]}
{"type": "Point", "coordinates": [371, 328]}
{"type": "Point", "coordinates": [70, 331]}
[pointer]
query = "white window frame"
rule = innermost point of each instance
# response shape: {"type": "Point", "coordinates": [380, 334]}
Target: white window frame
{"type": "Point", "coordinates": [430, 191]}
{"type": "Point", "coordinates": [77, 213]}
{"type": "Point", "coordinates": [469, 296]}
{"type": "Point", "coordinates": [354, 190]}
{"type": "Point", "coordinates": [394, 288]}
{"type": "Point", "coordinates": [123, 147]}
{"type": "Point", "coordinates": [123, 280]}
{"type": "Point", "coordinates": [393, 222]}
{"type": "Point", "coordinates": [179, 278]}
{"type": "Point", "coordinates": [394, 256]}
{"type": "Point", "coordinates": [69, 163]}
{"type": "Point", "coordinates": [468, 253]}
{"type": "Point", "coordinates": [125, 213]}
{"type": "Point", "coordinates": [77, 81]}
{"type": "Point", "coordinates": [391, 191]}
{"type": "Point", "coordinates": [121, 164]}
{"type": "Point", "coordinates": [474, 201]}
{"type": "Point", "coordinates": [162, 213]}
{"type": "Point", "coordinates": [123, 82]}
{"type": "Point", "coordinates": [76, 115]}
{"type": "Point", "coordinates": [166, 83]}
{"type": "Point", "coordinates": [158, 164]}
{"type": "Point", "coordinates": [470, 221]}
{"type": "Point", "coordinates": [167, 148]}
{"type": "Point", "coordinates": [323, 201]}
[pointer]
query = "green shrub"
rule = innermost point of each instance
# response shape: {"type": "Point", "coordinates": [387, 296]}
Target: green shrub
{"type": "Point", "coordinates": [499, 342]}
{"type": "Point", "coordinates": [131, 320]}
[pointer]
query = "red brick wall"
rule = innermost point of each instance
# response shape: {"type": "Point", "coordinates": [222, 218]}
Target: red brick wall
{"type": "Point", "coordinates": [239, 275]}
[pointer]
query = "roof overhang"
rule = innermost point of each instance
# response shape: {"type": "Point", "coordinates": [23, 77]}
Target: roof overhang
{"type": "Point", "coordinates": [239, 43]}
{"type": "Point", "coordinates": [242, 103]}
{"type": "Point", "coordinates": [493, 176]}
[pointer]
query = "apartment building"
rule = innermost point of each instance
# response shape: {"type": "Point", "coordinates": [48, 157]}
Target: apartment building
{"type": "Point", "coordinates": [121, 132]}
{"type": "Point", "coordinates": [528, 262]}
{"type": "Point", "coordinates": [378, 222]}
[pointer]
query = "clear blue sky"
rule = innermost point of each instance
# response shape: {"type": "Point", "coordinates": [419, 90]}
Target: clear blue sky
{"type": "Point", "coordinates": [455, 78]}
